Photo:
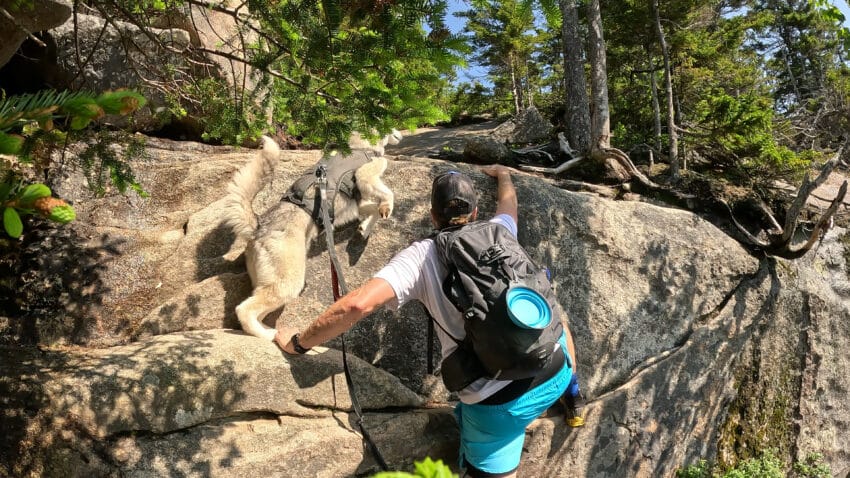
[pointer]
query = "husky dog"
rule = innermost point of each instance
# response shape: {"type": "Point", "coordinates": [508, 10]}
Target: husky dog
{"type": "Point", "coordinates": [357, 141]}
{"type": "Point", "coordinates": [277, 241]}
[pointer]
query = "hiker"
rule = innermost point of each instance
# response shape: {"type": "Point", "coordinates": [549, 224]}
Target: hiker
{"type": "Point", "coordinates": [492, 414]}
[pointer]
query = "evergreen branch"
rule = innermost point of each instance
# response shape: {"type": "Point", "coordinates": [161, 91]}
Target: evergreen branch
{"type": "Point", "coordinates": [270, 71]}
{"type": "Point", "coordinates": [242, 19]}
{"type": "Point", "coordinates": [33, 105]}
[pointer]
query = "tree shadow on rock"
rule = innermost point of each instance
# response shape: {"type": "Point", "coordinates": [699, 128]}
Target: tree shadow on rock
{"type": "Point", "coordinates": [54, 288]}
{"type": "Point", "coordinates": [117, 412]}
{"type": "Point", "coordinates": [667, 413]}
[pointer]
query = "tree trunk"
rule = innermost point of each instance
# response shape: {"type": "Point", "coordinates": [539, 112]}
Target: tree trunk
{"type": "Point", "coordinates": [516, 89]}
{"type": "Point", "coordinates": [600, 118]}
{"type": "Point", "coordinates": [656, 106]}
{"type": "Point", "coordinates": [617, 164]}
{"type": "Point", "coordinates": [576, 100]}
{"type": "Point", "coordinates": [668, 86]}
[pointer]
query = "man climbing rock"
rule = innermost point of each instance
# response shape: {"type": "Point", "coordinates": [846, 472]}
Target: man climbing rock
{"type": "Point", "coordinates": [492, 413]}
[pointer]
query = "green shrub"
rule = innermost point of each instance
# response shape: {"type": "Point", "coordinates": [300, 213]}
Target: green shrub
{"type": "Point", "coordinates": [740, 133]}
{"type": "Point", "coordinates": [767, 465]}
{"type": "Point", "coordinates": [27, 124]}
{"type": "Point", "coordinates": [426, 468]}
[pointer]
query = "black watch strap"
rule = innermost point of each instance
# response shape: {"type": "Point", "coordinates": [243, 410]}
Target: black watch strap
{"type": "Point", "coordinates": [297, 345]}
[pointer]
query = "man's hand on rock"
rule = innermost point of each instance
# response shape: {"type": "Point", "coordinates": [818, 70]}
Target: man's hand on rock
{"type": "Point", "coordinates": [496, 170]}
{"type": "Point", "coordinates": [283, 339]}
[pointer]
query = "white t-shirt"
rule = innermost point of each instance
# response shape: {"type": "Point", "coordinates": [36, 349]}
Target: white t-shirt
{"type": "Point", "coordinates": [416, 273]}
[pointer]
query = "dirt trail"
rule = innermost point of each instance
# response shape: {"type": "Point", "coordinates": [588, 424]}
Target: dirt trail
{"type": "Point", "coordinates": [430, 141]}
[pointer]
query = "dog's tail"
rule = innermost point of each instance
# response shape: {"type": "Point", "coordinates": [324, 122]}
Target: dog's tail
{"type": "Point", "coordinates": [243, 188]}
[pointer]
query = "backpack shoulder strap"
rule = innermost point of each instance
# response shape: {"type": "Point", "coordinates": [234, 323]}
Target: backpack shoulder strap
{"type": "Point", "coordinates": [435, 321]}
{"type": "Point", "coordinates": [451, 286]}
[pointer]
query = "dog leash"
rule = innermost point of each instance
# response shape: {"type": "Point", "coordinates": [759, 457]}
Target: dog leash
{"type": "Point", "coordinates": [340, 288]}
{"type": "Point", "coordinates": [430, 362]}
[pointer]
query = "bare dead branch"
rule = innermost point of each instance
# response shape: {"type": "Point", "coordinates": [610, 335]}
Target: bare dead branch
{"type": "Point", "coordinates": [21, 28]}
{"type": "Point", "coordinates": [627, 163]}
{"type": "Point", "coordinates": [557, 169]}
{"type": "Point", "coordinates": [571, 185]}
{"type": "Point", "coordinates": [820, 228]}
{"type": "Point", "coordinates": [777, 229]}
{"type": "Point", "coordinates": [534, 152]}
{"type": "Point", "coordinates": [779, 239]}
{"type": "Point", "coordinates": [750, 237]}
{"type": "Point", "coordinates": [803, 195]}
{"type": "Point", "coordinates": [143, 29]}
{"type": "Point", "coordinates": [564, 145]}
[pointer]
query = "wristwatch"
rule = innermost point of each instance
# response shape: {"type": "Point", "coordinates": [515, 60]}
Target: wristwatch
{"type": "Point", "coordinates": [297, 346]}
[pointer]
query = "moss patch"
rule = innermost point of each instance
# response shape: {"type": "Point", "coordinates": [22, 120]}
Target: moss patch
{"type": "Point", "coordinates": [762, 415]}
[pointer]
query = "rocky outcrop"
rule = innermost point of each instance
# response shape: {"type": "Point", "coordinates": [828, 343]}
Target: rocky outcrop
{"type": "Point", "coordinates": [119, 55]}
{"type": "Point", "coordinates": [755, 373]}
{"type": "Point", "coordinates": [217, 30]}
{"type": "Point", "coordinates": [486, 150]}
{"type": "Point", "coordinates": [689, 346]}
{"type": "Point", "coordinates": [182, 402]}
{"type": "Point", "coordinates": [529, 126]}
{"type": "Point", "coordinates": [94, 51]}
{"type": "Point", "coordinates": [21, 19]}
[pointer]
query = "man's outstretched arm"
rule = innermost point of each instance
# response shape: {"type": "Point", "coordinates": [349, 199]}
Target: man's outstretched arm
{"type": "Point", "coordinates": [340, 316]}
{"type": "Point", "coordinates": [506, 201]}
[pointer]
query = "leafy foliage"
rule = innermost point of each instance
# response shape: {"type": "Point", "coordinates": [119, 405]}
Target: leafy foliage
{"type": "Point", "coordinates": [326, 68]}
{"type": "Point", "coordinates": [36, 198]}
{"type": "Point", "coordinates": [224, 119]}
{"type": "Point", "coordinates": [100, 162]}
{"type": "Point", "coordinates": [343, 66]}
{"type": "Point", "coordinates": [739, 130]}
{"type": "Point", "coordinates": [426, 468]}
{"type": "Point", "coordinates": [760, 86]}
{"type": "Point", "coordinates": [28, 123]}
{"type": "Point", "coordinates": [767, 465]}
{"type": "Point", "coordinates": [504, 38]}
{"type": "Point", "coordinates": [468, 100]}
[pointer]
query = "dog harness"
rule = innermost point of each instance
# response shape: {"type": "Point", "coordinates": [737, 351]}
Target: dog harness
{"type": "Point", "coordinates": [340, 179]}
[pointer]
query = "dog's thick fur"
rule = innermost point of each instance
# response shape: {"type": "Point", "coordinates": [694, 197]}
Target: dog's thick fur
{"type": "Point", "coordinates": [277, 241]}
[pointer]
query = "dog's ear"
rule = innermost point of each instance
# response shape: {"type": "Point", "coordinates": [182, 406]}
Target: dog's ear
{"type": "Point", "coordinates": [394, 137]}
{"type": "Point", "coordinates": [268, 142]}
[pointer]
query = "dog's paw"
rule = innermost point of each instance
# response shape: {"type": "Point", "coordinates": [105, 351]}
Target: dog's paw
{"type": "Point", "coordinates": [385, 209]}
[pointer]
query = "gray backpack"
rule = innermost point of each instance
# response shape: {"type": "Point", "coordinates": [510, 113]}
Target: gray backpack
{"type": "Point", "coordinates": [488, 269]}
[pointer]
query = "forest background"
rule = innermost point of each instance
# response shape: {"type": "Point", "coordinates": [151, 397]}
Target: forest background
{"type": "Point", "coordinates": [703, 95]}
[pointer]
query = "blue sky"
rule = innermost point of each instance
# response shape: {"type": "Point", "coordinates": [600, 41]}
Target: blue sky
{"type": "Point", "coordinates": [474, 72]}
{"type": "Point", "coordinates": [842, 5]}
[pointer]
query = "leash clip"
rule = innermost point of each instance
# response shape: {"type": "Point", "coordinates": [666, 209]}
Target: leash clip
{"type": "Point", "coordinates": [322, 180]}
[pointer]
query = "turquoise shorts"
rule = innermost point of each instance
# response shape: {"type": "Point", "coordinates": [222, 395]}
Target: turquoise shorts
{"type": "Point", "coordinates": [491, 436]}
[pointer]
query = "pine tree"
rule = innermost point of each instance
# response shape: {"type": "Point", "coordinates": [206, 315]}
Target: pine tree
{"type": "Point", "coordinates": [326, 67]}
{"type": "Point", "coordinates": [502, 33]}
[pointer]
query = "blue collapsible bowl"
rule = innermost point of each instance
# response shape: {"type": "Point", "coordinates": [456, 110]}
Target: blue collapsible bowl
{"type": "Point", "coordinates": [527, 308]}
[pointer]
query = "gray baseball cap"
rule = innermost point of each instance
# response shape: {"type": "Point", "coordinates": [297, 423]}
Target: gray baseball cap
{"type": "Point", "coordinates": [453, 197]}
